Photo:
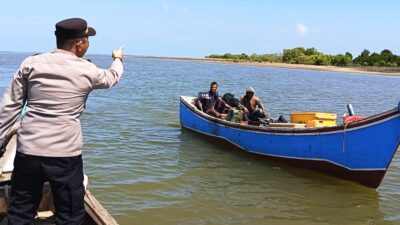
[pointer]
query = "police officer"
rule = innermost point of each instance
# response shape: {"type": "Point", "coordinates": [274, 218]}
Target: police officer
{"type": "Point", "coordinates": [56, 86]}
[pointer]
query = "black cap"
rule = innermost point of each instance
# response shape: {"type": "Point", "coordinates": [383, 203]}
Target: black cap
{"type": "Point", "coordinates": [73, 28]}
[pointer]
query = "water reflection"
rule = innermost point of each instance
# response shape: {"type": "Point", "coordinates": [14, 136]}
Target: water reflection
{"type": "Point", "coordinates": [252, 190]}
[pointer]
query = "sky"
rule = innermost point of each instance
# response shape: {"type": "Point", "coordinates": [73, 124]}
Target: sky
{"type": "Point", "coordinates": [204, 27]}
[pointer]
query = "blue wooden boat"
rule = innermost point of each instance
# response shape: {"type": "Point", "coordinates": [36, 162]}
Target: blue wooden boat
{"type": "Point", "coordinates": [359, 151]}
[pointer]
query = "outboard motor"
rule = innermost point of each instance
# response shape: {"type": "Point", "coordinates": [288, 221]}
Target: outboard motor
{"type": "Point", "coordinates": [350, 109]}
{"type": "Point", "coordinates": [351, 117]}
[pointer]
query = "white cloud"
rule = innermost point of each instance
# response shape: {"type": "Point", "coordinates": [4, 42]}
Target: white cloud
{"type": "Point", "coordinates": [302, 30]}
{"type": "Point", "coordinates": [165, 7]}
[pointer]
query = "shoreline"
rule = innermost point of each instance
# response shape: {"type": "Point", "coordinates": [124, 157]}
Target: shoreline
{"type": "Point", "coordinates": [384, 71]}
{"type": "Point", "coordinates": [358, 70]}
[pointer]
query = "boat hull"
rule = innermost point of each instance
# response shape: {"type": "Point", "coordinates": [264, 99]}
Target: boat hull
{"type": "Point", "coordinates": [361, 151]}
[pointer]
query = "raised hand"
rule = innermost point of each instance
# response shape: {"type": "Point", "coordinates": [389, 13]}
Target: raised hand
{"type": "Point", "coordinates": [118, 53]}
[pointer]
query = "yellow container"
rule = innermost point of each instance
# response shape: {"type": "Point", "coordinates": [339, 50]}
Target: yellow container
{"type": "Point", "coordinates": [314, 119]}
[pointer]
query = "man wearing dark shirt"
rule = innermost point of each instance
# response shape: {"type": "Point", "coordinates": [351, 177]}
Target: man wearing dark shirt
{"type": "Point", "coordinates": [207, 100]}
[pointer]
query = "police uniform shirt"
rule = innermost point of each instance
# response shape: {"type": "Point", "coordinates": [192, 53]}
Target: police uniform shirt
{"type": "Point", "coordinates": [57, 86]}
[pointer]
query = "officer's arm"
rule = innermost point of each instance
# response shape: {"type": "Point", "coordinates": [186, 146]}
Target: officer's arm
{"type": "Point", "coordinates": [107, 78]}
{"type": "Point", "coordinates": [12, 102]}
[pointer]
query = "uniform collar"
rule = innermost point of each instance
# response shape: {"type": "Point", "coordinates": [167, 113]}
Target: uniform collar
{"type": "Point", "coordinates": [57, 50]}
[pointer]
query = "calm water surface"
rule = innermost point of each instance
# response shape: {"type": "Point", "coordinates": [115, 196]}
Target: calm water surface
{"type": "Point", "coordinates": [146, 170]}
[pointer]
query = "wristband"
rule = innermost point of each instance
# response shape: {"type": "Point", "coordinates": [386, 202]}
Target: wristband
{"type": "Point", "coordinates": [118, 58]}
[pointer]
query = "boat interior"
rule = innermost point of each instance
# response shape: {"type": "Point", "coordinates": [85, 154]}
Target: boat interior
{"type": "Point", "coordinates": [298, 119]}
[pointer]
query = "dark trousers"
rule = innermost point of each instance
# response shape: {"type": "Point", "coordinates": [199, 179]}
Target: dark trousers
{"type": "Point", "coordinates": [65, 175]}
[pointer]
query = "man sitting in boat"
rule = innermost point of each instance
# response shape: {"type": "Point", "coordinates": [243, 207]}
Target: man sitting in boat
{"type": "Point", "coordinates": [207, 101]}
{"type": "Point", "coordinates": [254, 108]}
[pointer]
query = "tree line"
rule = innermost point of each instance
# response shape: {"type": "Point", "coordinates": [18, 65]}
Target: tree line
{"type": "Point", "coordinates": [311, 56]}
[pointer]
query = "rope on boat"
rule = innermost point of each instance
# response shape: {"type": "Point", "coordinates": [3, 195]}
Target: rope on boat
{"type": "Point", "coordinates": [344, 137]}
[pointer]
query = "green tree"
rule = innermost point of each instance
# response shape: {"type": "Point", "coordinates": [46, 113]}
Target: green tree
{"type": "Point", "coordinates": [321, 59]}
{"type": "Point", "coordinates": [244, 56]}
{"type": "Point", "coordinates": [311, 56]}
{"type": "Point", "coordinates": [254, 57]}
{"type": "Point", "coordinates": [348, 59]}
{"type": "Point", "coordinates": [349, 55]}
{"type": "Point", "coordinates": [375, 60]}
{"type": "Point", "coordinates": [338, 60]}
{"type": "Point", "coordinates": [301, 49]}
{"type": "Point", "coordinates": [388, 57]}
{"type": "Point", "coordinates": [214, 56]}
{"type": "Point", "coordinates": [305, 59]}
{"type": "Point", "coordinates": [363, 58]}
{"type": "Point", "coordinates": [342, 60]}
{"type": "Point", "coordinates": [310, 51]}
{"type": "Point", "coordinates": [291, 55]}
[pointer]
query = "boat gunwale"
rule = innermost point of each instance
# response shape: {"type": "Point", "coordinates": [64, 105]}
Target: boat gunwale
{"type": "Point", "coordinates": [342, 127]}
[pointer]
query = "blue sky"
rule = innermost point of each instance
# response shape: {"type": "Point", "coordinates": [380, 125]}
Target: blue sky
{"type": "Point", "coordinates": [199, 28]}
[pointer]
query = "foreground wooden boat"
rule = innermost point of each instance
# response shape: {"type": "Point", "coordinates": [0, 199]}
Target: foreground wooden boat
{"type": "Point", "coordinates": [359, 151]}
{"type": "Point", "coordinates": [96, 214]}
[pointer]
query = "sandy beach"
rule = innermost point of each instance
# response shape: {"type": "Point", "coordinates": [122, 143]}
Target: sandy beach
{"type": "Point", "coordinates": [388, 71]}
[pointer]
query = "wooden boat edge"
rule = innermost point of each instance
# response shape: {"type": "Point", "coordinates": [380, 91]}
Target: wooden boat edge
{"type": "Point", "coordinates": [339, 128]}
{"type": "Point", "coordinates": [96, 211]}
